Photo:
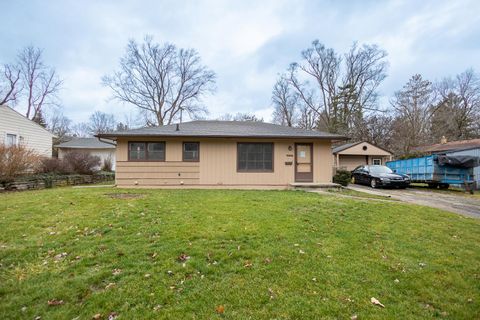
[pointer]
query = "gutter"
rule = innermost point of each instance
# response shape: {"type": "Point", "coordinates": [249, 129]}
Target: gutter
{"type": "Point", "coordinates": [336, 138]}
{"type": "Point", "coordinates": [107, 142]}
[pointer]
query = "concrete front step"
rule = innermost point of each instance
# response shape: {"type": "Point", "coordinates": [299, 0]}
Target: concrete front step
{"type": "Point", "coordinates": [314, 185]}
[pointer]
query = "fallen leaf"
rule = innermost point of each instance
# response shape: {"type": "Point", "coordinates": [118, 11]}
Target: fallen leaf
{"type": "Point", "coordinates": [376, 302]}
{"type": "Point", "coordinates": [248, 264]}
{"type": "Point", "coordinates": [354, 317]}
{"type": "Point", "coordinates": [301, 251]}
{"type": "Point", "coordinates": [97, 316]}
{"type": "Point", "coordinates": [170, 273]}
{"type": "Point", "coordinates": [116, 272]}
{"type": "Point", "coordinates": [157, 307]}
{"type": "Point", "coordinates": [110, 285]}
{"type": "Point", "coordinates": [60, 256]}
{"type": "Point", "coordinates": [272, 294]}
{"type": "Point", "coordinates": [267, 260]}
{"type": "Point", "coordinates": [183, 257]}
{"type": "Point", "coordinates": [220, 309]}
{"type": "Point", "coordinates": [421, 264]}
{"type": "Point", "coordinates": [112, 316]}
{"type": "Point", "coordinates": [396, 281]}
{"type": "Point", "coordinates": [55, 302]}
{"type": "Point", "coordinates": [147, 275]}
{"type": "Point", "coordinates": [37, 318]}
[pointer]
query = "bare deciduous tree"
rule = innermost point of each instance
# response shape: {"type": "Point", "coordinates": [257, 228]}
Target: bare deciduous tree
{"type": "Point", "coordinates": [80, 130]}
{"type": "Point", "coordinates": [240, 116]}
{"type": "Point", "coordinates": [339, 89]}
{"type": "Point", "coordinates": [307, 119]}
{"type": "Point", "coordinates": [378, 129]}
{"type": "Point", "coordinates": [100, 122]}
{"type": "Point", "coordinates": [59, 125]}
{"type": "Point", "coordinates": [414, 107]}
{"type": "Point", "coordinates": [39, 81]}
{"type": "Point", "coordinates": [285, 103]}
{"type": "Point", "coordinates": [458, 113]}
{"type": "Point", "coordinates": [9, 84]}
{"type": "Point", "coordinates": [162, 81]}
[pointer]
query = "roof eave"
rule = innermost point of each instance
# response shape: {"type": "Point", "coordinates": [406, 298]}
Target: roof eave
{"type": "Point", "coordinates": [114, 137]}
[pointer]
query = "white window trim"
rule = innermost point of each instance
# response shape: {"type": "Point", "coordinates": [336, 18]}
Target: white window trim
{"type": "Point", "coordinates": [379, 160]}
{"type": "Point", "coordinates": [11, 134]}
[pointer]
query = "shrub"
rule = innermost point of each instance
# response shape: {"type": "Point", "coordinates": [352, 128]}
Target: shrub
{"type": "Point", "coordinates": [107, 164]}
{"type": "Point", "coordinates": [16, 161]}
{"type": "Point", "coordinates": [342, 177]}
{"type": "Point", "coordinates": [54, 165]}
{"type": "Point", "coordinates": [82, 162]}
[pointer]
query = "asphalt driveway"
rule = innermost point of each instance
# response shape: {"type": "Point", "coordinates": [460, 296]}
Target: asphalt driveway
{"type": "Point", "coordinates": [457, 203]}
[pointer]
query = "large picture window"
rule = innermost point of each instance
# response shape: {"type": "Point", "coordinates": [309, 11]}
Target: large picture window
{"type": "Point", "coordinates": [255, 157]}
{"type": "Point", "coordinates": [191, 151]}
{"type": "Point", "coordinates": [146, 151]}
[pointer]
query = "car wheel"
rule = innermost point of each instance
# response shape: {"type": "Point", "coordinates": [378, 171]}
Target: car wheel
{"type": "Point", "coordinates": [373, 183]}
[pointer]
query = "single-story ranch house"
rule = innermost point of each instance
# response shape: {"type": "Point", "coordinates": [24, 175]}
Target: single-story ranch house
{"type": "Point", "coordinates": [222, 154]}
{"type": "Point", "coordinates": [351, 155]}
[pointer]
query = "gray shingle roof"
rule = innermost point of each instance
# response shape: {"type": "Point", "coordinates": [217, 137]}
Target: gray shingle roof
{"type": "Point", "coordinates": [85, 143]}
{"type": "Point", "coordinates": [221, 129]}
{"type": "Point", "coordinates": [352, 144]}
{"type": "Point", "coordinates": [449, 146]}
{"type": "Point", "coordinates": [344, 146]}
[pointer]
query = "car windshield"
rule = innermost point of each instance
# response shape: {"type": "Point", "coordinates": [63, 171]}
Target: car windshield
{"type": "Point", "coordinates": [380, 169]}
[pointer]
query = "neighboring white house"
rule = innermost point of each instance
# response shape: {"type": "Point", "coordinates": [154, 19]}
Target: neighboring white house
{"type": "Point", "coordinates": [15, 129]}
{"type": "Point", "coordinates": [93, 146]}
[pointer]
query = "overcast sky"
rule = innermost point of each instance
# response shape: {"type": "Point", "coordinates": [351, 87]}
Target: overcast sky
{"type": "Point", "coordinates": [247, 43]}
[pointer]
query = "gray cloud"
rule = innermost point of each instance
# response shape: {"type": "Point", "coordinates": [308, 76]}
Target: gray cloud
{"type": "Point", "coordinates": [247, 43]}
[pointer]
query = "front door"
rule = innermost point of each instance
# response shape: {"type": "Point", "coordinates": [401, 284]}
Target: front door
{"type": "Point", "coordinates": [303, 162]}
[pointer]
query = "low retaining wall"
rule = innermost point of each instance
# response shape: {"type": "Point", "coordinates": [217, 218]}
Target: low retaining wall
{"type": "Point", "coordinates": [51, 181]}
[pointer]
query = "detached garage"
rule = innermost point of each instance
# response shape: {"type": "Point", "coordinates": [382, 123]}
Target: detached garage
{"type": "Point", "coordinates": [351, 155]}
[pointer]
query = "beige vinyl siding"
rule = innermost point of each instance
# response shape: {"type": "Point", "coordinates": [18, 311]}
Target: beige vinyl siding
{"type": "Point", "coordinates": [355, 156]}
{"type": "Point", "coordinates": [34, 136]}
{"type": "Point", "coordinates": [218, 164]}
{"type": "Point", "coordinates": [103, 154]}
{"type": "Point", "coordinates": [350, 162]}
{"type": "Point", "coordinates": [371, 150]}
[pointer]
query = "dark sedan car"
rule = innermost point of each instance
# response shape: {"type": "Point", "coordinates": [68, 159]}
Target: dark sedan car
{"type": "Point", "coordinates": [379, 176]}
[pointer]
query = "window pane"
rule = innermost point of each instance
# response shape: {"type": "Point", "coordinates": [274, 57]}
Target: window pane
{"type": "Point", "coordinates": [255, 156]}
{"type": "Point", "coordinates": [11, 140]}
{"type": "Point", "coordinates": [156, 150]}
{"type": "Point", "coordinates": [136, 150]}
{"type": "Point", "coordinates": [191, 151]}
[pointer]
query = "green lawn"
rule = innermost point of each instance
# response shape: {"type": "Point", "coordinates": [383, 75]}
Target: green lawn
{"type": "Point", "coordinates": [255, 254]}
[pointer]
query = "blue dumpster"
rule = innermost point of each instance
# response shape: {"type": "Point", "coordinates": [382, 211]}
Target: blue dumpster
{"type": "Point", "coordinates": [437, 170]}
